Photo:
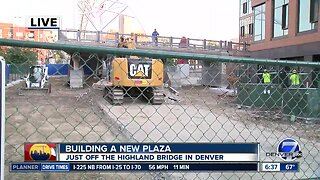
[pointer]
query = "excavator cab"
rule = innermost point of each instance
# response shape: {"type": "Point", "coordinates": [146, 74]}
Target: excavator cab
{"type": "Point", "coordinates": [36, 81]}
{"type": "Point", "coordinates": [134, 77]}
{"type": "Point", "coordinates": [37, 77]}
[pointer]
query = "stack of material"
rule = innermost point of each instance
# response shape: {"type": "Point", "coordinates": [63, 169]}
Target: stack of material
{"type": "Point", "coordinates": [76, 78]}
{"type": "Point", "coordinates": [101, 84]}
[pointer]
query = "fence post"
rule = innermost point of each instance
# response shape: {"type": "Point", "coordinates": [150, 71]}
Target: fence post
{"type": "Point", "coordinates": [60, 35]}
{"type": "Point", "coordinates": [188, 42]}
{"type": "Point", "coordinates": [7, 73]}
{"type": "Point", "coordinates": [135, 38]}
{"type": "Point", "coordinates": [204, 44]}
{"type": "Point", "coordinates": [79, 35]}
{"type": "Point", "coordinates": [116, 37]}
{"type": "Point", "coordinates": [171, 41]}
{"type": "Point", "coordinates": [98, 36]}
{"type": "Point", "coordinates": [244, 46]}
{"type": "Point", "coordinates": [230, 45]}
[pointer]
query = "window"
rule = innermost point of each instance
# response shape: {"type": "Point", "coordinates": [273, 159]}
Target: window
{"type": "Point", "coordinates": [245, 8]}
{"type": "Point", "coordinates": [31, 34]}
{"type": "Point", "coordinates": [259, 22]}
{"type": "Point", "coordinates": [285, 17]}
{"type": "Point", "coordinates": [280, 18]}
{"type": "Point", "coordinates": [251, 28]}
{"type": "Point", "coordinates": [314, 11]}
{"type": "Point", "coordinates": [242, 31]}
{"type": "Point", "coordinates": [10, 33]}
{"type": "Point", "coordinates": [308, 15]}
{"type": "Point", "coordinates": [19, 34]}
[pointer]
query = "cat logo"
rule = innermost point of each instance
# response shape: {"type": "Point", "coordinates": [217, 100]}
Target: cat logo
{"type": "Point", "coordinates": [139, 70]}
{"type": "Point", "coordinates": [139, 73]}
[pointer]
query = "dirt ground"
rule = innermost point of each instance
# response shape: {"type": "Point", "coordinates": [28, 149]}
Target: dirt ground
{"type": "Point", "coordinates": [73, 115]}
{"type": "Point", "coordinates": [204, 114]}
{"type": "Point", "coordinates": [275, 120]}
{"type": "Point", "coordinates": [66, 115]}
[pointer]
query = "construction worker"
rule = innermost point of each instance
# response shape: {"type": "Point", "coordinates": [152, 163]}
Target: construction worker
{"type": "Point", "coordinates": [266, 77]}
{"type": "Point", "coordinates": [295, 78]}
{"type": "Point", "coordinates": [155, 35]}
{"type": "Point", "coordinates": [122, 43]}
{"type": "Point", "coordinates": [130, 43]}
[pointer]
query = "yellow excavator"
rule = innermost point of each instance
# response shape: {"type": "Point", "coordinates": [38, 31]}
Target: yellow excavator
{"type": "Point", "coordinates": [134, 77]}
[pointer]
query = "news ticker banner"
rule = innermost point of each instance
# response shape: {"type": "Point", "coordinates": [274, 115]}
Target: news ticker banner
{"type": "Point", "coordinates": [279, 166]}
{"type": "Point", "coordinates": [70, 157]}
{"type": "Point", "coordinates": [137, 156]}
{"type": "Point", "coordinates": [104, 167]}
{"type": "Point", "coordinates": [166, 152]}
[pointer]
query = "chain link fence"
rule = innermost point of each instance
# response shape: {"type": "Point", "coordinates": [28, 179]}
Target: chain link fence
{"type": "Point", "coordinates": [191, 109]}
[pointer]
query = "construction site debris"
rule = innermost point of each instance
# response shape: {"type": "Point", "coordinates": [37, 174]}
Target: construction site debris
{"type": "Point", "coordinates": [100, 85]}
{"type": "Point", "coordinates": [174, 91]}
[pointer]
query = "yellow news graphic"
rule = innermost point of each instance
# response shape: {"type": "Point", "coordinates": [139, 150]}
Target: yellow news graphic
{"type": "Point", "coordinates": [40, 149]}
{"type": "Point", "coordinates": [40, 152]}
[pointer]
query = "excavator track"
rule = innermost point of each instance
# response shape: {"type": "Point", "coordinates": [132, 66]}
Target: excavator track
{"type": "Point", "coordinates": [114, 94]}
{"type": "Point", "coordinates": [155, 95]}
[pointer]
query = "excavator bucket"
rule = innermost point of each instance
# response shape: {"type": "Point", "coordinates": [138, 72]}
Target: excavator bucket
{"type": "Point", "coordinates": [35, 91]}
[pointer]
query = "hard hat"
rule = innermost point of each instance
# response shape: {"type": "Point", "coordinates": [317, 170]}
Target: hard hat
{"type": "Point", "coordinates": [265, 70]}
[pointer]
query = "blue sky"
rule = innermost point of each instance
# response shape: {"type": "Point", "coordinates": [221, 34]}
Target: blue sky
{"type": "Point", "coordinates": [210, 19]}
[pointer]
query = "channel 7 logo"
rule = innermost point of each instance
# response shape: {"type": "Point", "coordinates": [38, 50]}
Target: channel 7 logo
{"type": "Point", "coordinates": [288, 150]}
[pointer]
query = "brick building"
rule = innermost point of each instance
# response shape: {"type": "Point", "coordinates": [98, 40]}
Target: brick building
{"type": "Point", "coordinates": [246, 21]}
{"type": "Point", "coordinates": [12, 31]}
{"type": "Point", "coordinates": [281, 29]}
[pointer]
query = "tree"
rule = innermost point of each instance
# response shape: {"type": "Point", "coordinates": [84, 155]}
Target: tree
{"type": "Point", "coordinates": [59, 56]}
{"type": "Point", "coordinates": [170, 62]}
{"type": "Point", "coordinates": [17, 55]}
{"type": "Point", "coordinates": [2, 52]}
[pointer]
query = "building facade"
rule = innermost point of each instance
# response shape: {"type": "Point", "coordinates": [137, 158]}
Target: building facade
{"type": "Point", "coordinates": [246, 22]}
{"type": "Point", "coordinates": [282, 29]}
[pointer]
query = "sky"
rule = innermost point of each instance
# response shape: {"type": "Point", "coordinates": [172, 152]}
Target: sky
{"type": "Point", "coordinates": [203, 19]}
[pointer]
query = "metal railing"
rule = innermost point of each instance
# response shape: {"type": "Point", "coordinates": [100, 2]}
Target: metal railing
{"type": "Point", "coordinates": [192, 112]}
{"type": "Point", "coordinates": [140, 40]}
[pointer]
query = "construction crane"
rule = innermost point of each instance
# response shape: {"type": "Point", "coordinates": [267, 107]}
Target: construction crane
{"type": "Point", "coordinates": [86, 7]}
{"type": "Point", "coordinates": [106, 11]}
